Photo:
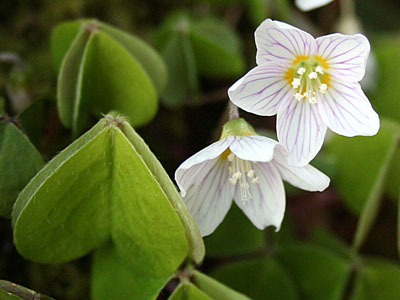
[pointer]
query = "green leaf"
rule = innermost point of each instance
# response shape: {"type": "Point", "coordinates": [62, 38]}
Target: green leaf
{"type": "Point", "coordinates": [392, 185]}
{"type": "Point", "coordinates": [99, 74]}
{"type": "Point", "coordinates": [182, 71]}
{"type": "Point", "coordinates": [319, 273]}
{"type": "Point", "coordinates": [215, 289]}
{"type": "Point", "coordinates": [362, 165]}
{"type": "Point", "coordinates": [61, 39]}
{"type": "Point", "coordinates": [216, 48]}
{"type": "Point", "coordinates": [192, 47]}
{"type": "Point", "coordinates": [69, 84]}
{"type": "Point", "coordinates": [371, 207]}
{"type": "Point", "coordinates": [113, 277]}
{"type": "Point", "coordinates": [328, 240]}
{"type": "Point", "coordinates": [19, 162]}
{"type": "Point", "coordinates": [258, 10]}
{"type": "Point", "coordinates": [113, 79]}
{"type": "Point", "coordinates": [268, 280]}
{"type": "Point", "coordinates": [387, 52]}
{"type": "Point", "coordinates": [188, 291]}
{"type": "Point", "coordinates": [193, 236]}
{"type": "Point", "coordinates": [12, 291]}
{"type": "Point", "coordinates": [33, 120]}
{"type": "Point", "coordinates": [100, 187]}
{"type": "Point", "coordinates": [235, 236]}
{"type": "Point", "coordinates": [63, 35]}
{"type": "Point", "coordinates": [377, 280]}
{"type": "Point", "coordinates": [147, 57]}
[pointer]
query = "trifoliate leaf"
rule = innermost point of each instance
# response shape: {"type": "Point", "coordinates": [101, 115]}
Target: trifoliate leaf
{"type": "Point", "coordinates": [113, 277]}
{"type": "Point", "coordinates": [319, 273]}
{"type": "Point", "coordinates": [98, 188]}
{"type": "Point", "coordinates": [19, 162]}
{"type": "Point", "coordinates": [104, 69]}
{"type": "Point", "coordinates": [266, 279]}
{"type": "Point", "coordinates": [63, 35]}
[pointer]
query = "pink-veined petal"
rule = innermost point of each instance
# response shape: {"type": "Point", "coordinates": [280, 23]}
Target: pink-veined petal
{"type": "Point", "coordinates": [253, 148]}
{"type": "Point", "coordinates": [261, 90]}
{"type": "Point", "coordinates": [306, 178]}
{"type": "Point", "coordinates": [300, 130]}
{"type": "Point", "coordinates": [281, 43]}
{"type": "Point", "coordinates": [347, 111]}
{"type": "Point", "coordinates": [346, 55]}
{"type": "Point", "coordinates": [267, 203]}
{"type": "Point", "coordinates": [210, 152]}
{"type": "Point", "coordinates": [307, 5]}
{"type": "Point", "coordinates": [208, 194]}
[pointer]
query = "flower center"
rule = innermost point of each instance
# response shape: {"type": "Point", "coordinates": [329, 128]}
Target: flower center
{"type": "Point", "coordinates": [309, 78]}
{"type": "Point", "coordinates": [242, 171]}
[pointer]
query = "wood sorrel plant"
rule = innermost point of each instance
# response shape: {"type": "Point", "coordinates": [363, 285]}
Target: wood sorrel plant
{"type": "Point", "coordinates": [99, 190]}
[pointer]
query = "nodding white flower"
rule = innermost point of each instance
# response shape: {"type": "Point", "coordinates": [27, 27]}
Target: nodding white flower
{"type": "Point", "coordinates": [311, 84]}
{"type": "Point", "coordinates": [244, 167]}
{"type": "Point", "coordinates": [307, 5]}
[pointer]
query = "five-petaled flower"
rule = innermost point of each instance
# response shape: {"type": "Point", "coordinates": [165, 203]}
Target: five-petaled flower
{"type": "Point", "coordinates": [311, 84]}
{"type": "Point", "coordinates": [245, 167]}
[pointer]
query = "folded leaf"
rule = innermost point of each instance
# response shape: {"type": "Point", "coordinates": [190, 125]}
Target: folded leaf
{"type": "Point", "coordinates": [148, 58]}
{"type": "Point", "coordinates": [102, 69]}
{"type": "Point", "coordinates": [100, 187]}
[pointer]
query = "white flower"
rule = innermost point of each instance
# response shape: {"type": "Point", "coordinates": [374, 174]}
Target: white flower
{"type": "Point", "coordinates": [311, 84]}
{"type": "Point", "coordinates": [246, 168]}
{"type": "Point", "coordinates": [306, 5]}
